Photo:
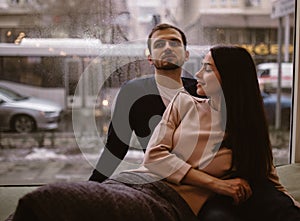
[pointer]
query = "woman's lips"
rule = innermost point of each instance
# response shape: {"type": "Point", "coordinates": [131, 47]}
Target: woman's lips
{"type": "Point", "coordinates": [199, 83]}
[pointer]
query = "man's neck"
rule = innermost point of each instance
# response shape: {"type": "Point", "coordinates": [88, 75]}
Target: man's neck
{"type": "Point", "coordinates": [169, 78]}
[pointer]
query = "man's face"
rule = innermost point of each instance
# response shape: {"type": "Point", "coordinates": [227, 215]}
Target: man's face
{"type": "Point", "coordinates": [167, 49]}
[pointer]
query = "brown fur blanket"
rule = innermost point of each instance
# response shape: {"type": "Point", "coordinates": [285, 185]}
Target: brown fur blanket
{"type": "Point", "coordinates": [113, 200]}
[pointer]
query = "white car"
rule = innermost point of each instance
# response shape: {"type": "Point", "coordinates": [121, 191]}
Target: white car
{"type": "Point", "coordinates": [268, 75]}
{"type": "Point", "coordinates": [27, 114]}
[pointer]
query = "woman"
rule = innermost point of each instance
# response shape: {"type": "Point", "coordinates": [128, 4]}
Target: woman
{"type": "Point", "coordinates": [195, 147]}
{"type": "Point", "coordinates": [245, 149]}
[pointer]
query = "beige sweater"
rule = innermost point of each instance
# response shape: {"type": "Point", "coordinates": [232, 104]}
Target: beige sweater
{"type": "Point", "coordinates": [189, 136]}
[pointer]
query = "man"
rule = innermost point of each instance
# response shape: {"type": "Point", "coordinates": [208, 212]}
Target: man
{"type": "Point", "coordinates": [140, 101]}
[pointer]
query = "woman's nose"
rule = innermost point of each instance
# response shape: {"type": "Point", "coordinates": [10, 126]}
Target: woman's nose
{"type": "Point", "coordinates": [199, 73]}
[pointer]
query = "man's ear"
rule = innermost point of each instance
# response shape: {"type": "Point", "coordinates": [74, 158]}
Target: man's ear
{"type": "Point", "coordinates": [187, 55]}
{"type": "Point", "coordinates": [150, 59]}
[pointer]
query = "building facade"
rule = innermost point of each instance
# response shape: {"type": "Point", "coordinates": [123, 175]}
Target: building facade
{"type": "Point", "coordinates": [207, 22]}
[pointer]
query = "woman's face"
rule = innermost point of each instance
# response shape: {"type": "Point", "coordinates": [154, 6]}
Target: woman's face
{"type": "Point", "coordinates": [208, 78]}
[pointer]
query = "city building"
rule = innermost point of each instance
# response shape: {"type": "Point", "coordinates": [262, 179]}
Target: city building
{"type": "Point", "coordinates": [206, 22]}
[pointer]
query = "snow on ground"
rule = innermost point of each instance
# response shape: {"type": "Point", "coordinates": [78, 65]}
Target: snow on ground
{"type": "Point", "coordinates": [44, 154]}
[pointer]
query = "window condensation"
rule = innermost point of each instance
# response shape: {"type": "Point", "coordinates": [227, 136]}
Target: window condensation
{"type": "Point", "coordinates": [84, 77]}
{"type": "Point", "coordinates": [223, 2]}
{"type": "Point", "coordinates": [234, 2]}
{"type": "Point", "coordinates": [213, 2]}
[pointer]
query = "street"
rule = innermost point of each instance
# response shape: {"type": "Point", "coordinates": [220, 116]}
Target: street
{"type": "Point", "coordinates": [65, 155]}
{"type": "Point", "coordinates": [60, 155]}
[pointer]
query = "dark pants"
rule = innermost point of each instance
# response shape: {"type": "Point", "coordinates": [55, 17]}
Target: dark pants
{"type": "Point", "coordinates": [219, 208]}
{"type": "Point", "coordinates": [266, 203]}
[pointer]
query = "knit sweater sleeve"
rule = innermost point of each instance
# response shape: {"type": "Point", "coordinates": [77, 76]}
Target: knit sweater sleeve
{"type": "Point", "coordinates": [160, 157]}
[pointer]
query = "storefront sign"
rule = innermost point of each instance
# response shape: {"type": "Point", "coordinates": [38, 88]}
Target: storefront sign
{"type": "Point", "coordinates": [265, 49]}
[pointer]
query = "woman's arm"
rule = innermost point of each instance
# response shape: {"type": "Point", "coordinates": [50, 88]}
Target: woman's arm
{"type": "Point", "coordinates": [236, 188]}
{"type": "Point", "coordinates": [161, 159]}
{"type": "Point", "coordinates": [162, 156]}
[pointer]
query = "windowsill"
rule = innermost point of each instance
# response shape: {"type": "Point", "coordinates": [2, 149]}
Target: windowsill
{"type": "Point", "coordinates": [289, 177]}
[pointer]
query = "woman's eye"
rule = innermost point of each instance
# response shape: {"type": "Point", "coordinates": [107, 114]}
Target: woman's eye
{"type": "Point", "coordinates": [208, 70]}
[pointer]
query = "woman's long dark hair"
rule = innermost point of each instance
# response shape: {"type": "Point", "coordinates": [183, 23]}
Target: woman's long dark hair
{"type": "Point", "coordinates": [246, 126]}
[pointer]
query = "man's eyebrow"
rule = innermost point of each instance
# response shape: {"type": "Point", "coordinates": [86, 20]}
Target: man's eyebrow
{"type": "Point", "coordinates": [161, 39]}
{"type": "Point", "coordinates": [174, 39]}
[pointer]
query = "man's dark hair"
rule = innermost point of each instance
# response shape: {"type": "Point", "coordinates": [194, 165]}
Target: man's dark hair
{"type": "Point", "coordinates": [162, 27]}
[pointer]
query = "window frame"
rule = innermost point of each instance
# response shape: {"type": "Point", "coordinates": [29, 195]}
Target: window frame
{"type": "Point", "coordinates": [295, 140]}
{"type": "Point", "coordinates": [295, 126]}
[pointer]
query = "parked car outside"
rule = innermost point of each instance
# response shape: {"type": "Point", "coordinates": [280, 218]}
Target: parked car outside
{"type": "Point", "coordinates": [270, 101]}
{"type": "Point", "coordinates": [26, 114]}
{"type": "Point", "coordinates": [267, 74]}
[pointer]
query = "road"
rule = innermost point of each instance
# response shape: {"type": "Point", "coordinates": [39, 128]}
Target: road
{"type": "Point", "coordinates": [62, 156]}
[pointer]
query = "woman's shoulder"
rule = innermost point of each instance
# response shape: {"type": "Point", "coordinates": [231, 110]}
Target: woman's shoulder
{"type": "Point", "coordinates": [184, 102]}
{"type": "Point", "coordinates": [184, 96]}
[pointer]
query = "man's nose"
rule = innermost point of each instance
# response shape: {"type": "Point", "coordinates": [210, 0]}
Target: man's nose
{"type": "Point", "coordinates": [168, 50]}
{"type": "Point", "coordinates": [167, 45]}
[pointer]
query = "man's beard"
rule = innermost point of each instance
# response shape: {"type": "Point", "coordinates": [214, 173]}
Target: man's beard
{"type": "Point", "coordinates": [168, 66]}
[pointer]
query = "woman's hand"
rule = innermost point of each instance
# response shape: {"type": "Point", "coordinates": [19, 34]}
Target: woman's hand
{"type": "Point", "coordinates": [236, 188]}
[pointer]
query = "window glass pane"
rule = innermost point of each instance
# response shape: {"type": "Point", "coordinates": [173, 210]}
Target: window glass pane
{"type": "Point", "coordinates": [76, 55]}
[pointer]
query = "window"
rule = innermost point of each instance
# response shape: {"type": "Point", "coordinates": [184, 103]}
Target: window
{"type": "Point", "coordinates": [252, 3]}
{"type": "Point", "coordinates": [295, 142]}
{"type": "Point", "coordinates": [95, 49]}
{"type": "Point", "coordinates": [146, 14]}
{"type": "Point", "coordinates": [213, 2]}
{"type": "Point", "coordinates": [223, 2]}
{"type": "Point", "coordinates": [234, 2]}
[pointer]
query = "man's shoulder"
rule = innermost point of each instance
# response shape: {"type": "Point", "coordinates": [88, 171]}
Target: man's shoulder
{"type": "Point", "coordinates": [148, 83]}
{"type": "Point", "coordinates": [190, 84]}
{"type": "Point", "coordinates": [138, 87]}
{"type": "Point", "coordinates": [188, 81]}
{"type": "Point", "coordinates": [150, 78]}
{"type": "Point", "coordinates": [140, 81]}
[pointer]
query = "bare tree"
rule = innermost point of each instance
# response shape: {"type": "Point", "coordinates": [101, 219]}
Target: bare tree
{"type": "Point", "coordinates": [91, 19]}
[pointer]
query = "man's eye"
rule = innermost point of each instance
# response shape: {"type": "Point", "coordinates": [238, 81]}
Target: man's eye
{"type": "Point", "coordinates": [175, 43]}
{"type": "Point", "coordinates": [159, 44]}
